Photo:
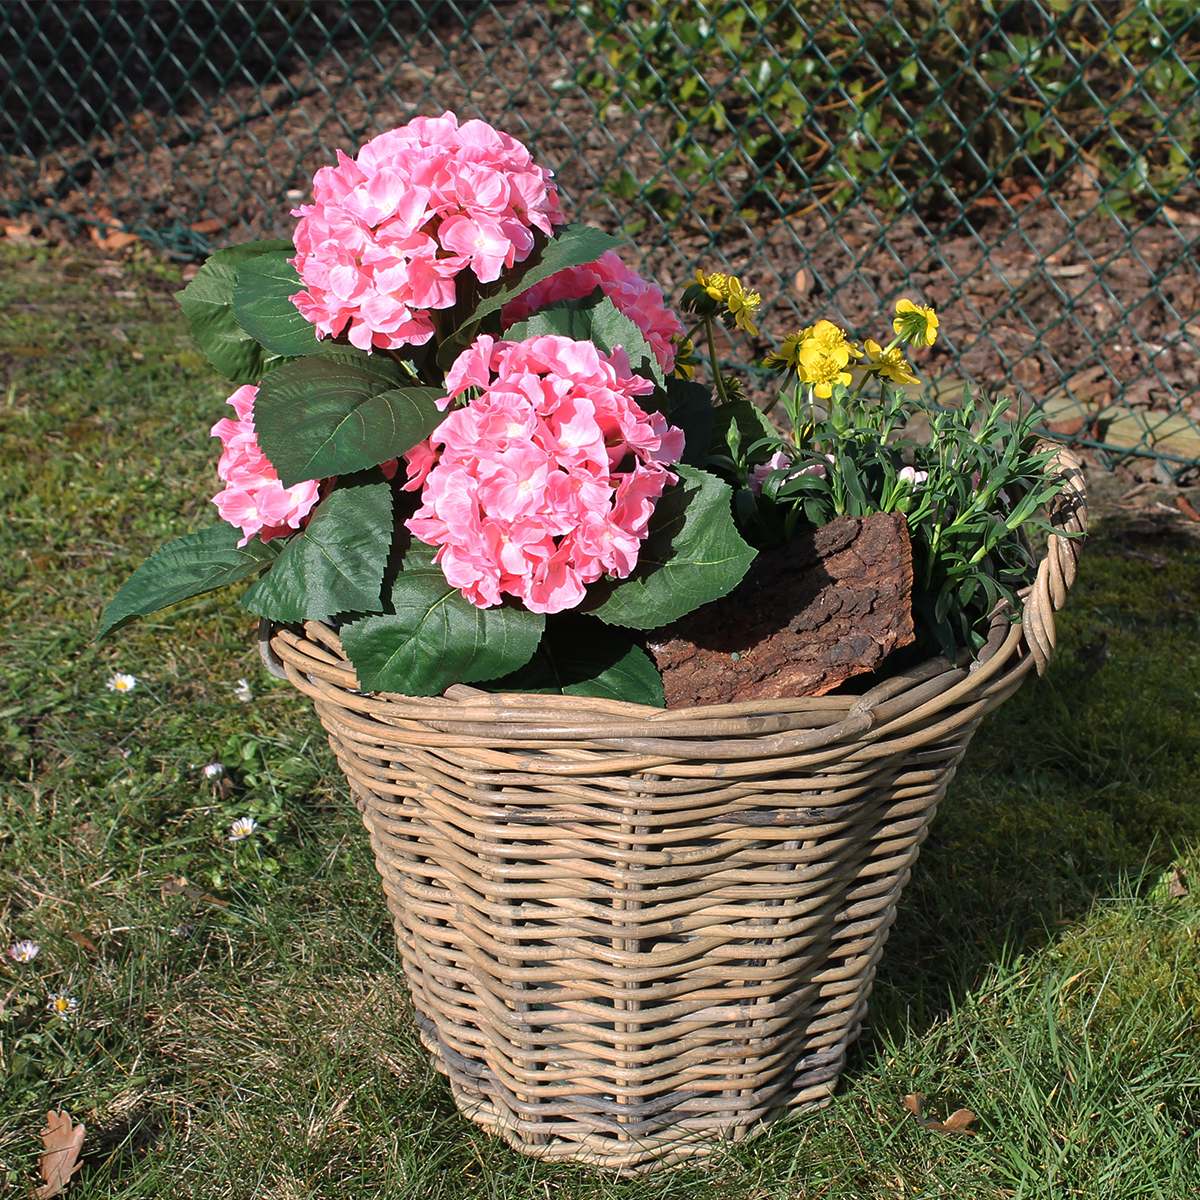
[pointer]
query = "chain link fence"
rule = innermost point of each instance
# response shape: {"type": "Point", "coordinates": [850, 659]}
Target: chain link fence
{"type": "Point", "coordinates": [1029, 167]}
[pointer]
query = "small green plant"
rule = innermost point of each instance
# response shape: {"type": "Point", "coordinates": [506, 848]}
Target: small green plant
{"type": "Point", "coordinates": [971, 492]}
{"type": "Point", "coordinates": [845, 100]}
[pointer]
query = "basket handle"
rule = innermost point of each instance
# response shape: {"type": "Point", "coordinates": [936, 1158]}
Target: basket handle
{"type": "Point", "coordinates": [1067, 513]}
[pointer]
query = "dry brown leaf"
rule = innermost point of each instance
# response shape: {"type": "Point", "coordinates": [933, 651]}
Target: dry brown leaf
{"type": "Point", "coordinates": [105, 233]}
{"type": "Point", "coordinates": [63, 1142]}
{"type": "Point", "coordinates": [1181, 216]}
{"type": "Point", "coordinates": [801, 281]}
{"type": "Point", "coordinates": [114, 239]}
{"type": "Point", "coordinates": [1177, 886]}
{"type": "Point", "coordinates": [1186, 507]}
{"type": "Point", "coordinates": [16, 229]}
{"type": "Point", "coordinates": [959, 1121]}
{"type": "Point", "coordinates": [83, 941]}
{"type": "Point", "coordinates": [212, 225]}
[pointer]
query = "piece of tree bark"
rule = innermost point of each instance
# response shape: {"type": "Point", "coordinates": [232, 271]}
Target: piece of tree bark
{"type": "Point", "coordinates": [831, 604]}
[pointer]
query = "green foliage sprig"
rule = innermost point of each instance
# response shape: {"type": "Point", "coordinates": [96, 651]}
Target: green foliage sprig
{"type": "Point", "coordinates": [845, 103]}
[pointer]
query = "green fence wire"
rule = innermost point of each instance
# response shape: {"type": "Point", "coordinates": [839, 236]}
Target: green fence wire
{"type": "Point", "coordinates": [1027, 166]}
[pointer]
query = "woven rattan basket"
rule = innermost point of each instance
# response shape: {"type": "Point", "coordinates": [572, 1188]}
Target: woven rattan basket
{"type": "Point", "coordinates": [631, 933]}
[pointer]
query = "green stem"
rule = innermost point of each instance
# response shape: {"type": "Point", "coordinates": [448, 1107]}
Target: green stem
{"type": "Point", "coordinates": [712, 358]}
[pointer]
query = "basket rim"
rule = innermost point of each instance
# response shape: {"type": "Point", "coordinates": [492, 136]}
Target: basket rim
{"type": "Point", "coordinates": [311, 657]}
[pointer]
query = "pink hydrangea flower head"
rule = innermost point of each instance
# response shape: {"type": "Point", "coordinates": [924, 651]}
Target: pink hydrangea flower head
{"type": "Point", "coordinates": [637, 298]}
{"type": "Point", "coordinates": [388, 232]}
{"type": "Point", "coordinates": [253, 499]}
{"type": "Point", "coordinates": [546, 478]}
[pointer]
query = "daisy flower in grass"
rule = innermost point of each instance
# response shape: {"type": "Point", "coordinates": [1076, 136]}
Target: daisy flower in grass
{"type": "Point", "coordinates": [23, 951]}
{"type": "Point", "coordinates": [242, 828]}
{"type": "Point", "coordinates": [61, 1005]}
{"type": "Point", "coordinates": [122, 683]}
{"type": "Point", "coordinates": [242, 691]}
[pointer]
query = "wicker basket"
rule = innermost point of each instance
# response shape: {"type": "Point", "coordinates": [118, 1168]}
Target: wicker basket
{"type": "Point", "coordinates": [630, 933]}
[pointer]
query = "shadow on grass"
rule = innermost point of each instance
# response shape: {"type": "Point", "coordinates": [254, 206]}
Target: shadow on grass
{"type": "Point", "coordinates": [1085, 778]}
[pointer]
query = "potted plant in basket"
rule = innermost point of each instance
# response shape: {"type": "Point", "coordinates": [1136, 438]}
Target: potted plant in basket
{"type": "Point", "coordinates": [482, 500]}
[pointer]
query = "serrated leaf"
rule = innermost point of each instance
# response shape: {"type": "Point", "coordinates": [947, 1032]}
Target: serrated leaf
{"type": "Point", "coordinates": [580, 657]}
{"type": "Point", "coordinates": [207, 302]}
{"type": "Point", "coordinates": [434, 636]}
{"type": "Point", "coordinates": [692, 555]}
{"type": "Point", "coordinates": [571, 246]}
{"type": "Point", "coordinates": [262, 304]}
{"type": "Point", "coordinates": [189, 566]}
{"type": "Point", "coordinates": [335, 564]}
{"type": "Point", "coordinates": [593, 318]}
{"type": "Point", "coordinates": [317, 417]}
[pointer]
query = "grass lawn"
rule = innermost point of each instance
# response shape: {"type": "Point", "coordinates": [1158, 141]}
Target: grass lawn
{"type": "Point", "coordinates": [246, 1033]}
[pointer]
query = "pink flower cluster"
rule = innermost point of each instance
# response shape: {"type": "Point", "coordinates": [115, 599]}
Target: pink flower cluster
{"type": "Point", "coordinates": [547, 478]}
{"type": "Point", "coordinates": [253, 499]}
{"type": "Point", "coordinates": [639, 299]}
{"type": "Point", "coordinates": [389, 231]}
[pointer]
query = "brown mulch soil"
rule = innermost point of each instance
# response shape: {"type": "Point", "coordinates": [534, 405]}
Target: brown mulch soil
{"type": "Point", "coordinates": [1036, 288]}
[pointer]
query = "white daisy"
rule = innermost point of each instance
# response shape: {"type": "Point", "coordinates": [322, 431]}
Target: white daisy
{"type": "Point", "coordinates": [62, 1005]}
{"type": "Point", "coordinates": [242, 691]}
{"type": "Point", "coordinates": [122, 683]}
{"type": "Point", "coordinates": [214, 770]}
{"type": "Point", "coordinates": [242, 828]}
{"type": "Point", "coordinates": [23, 951]}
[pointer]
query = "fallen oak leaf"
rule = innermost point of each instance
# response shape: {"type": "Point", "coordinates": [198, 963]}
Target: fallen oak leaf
{"type": "Point", "coordinates": [959, 1121]}
{"type": "Point", "coordinates": [63, 1141]}
{"type": "Point", "coordinates": [1177, 886]}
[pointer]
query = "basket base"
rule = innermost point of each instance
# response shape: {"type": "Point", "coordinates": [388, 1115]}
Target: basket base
{"type": "Point", "coordinates": [639, 1155]}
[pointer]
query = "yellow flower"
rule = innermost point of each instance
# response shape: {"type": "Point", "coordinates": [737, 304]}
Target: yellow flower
{"type": "Point", "coordinates": [917, 324]}
{"type": "Point", "coordinates": [742, 305]}
{"type": "Point", "coordinates": [788, 354]}
{"type": "Point", "coordinates": [830, 339]}
{"type": "Point", "coordinates": [822, 369]}
{"type": "Point", "coordinates": [823, 338]}
{"type": "Point", "coordinates": [714, 283]}
{"type": "Point", "coordinates": [728, 291]}
{"type": "Point", "coordinates": [890, 364]}
{"type": "Point", "coordinates": [685, 359]}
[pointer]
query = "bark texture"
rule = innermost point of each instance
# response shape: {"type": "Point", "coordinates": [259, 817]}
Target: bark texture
{"type": "Point", "coordinates": [831, 604]}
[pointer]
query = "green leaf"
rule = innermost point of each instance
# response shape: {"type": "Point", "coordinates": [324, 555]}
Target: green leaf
{"type": "Point", "coordinates": [752, 425]}
{"type": "Point", "coordinates": [263, 308]}
{"type": "Point", "coordinates": [592, 318]}
{"type": "Point", "coordinates": [317, 417]}
{"type": "Point", "coordinates": [434, 636]}
{"type": "Point", "coordinates": [207, 302]}
{"type": "Point", "coordinates": [335, 564]}
{"type": "Point", "coordinates": [189, 566]}
{"type": "Point", "coordinates": [580, 657]}
{"type": "Point", "coordinates": [689, 406]}
{"type": "Point", "coordinates": [572, 246]}
{"type": "Point", "coordinates": [692, 555]}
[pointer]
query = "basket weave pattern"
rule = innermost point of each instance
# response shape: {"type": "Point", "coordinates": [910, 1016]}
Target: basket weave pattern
{"type": "Point", "coordinates": [630, 933]}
